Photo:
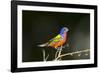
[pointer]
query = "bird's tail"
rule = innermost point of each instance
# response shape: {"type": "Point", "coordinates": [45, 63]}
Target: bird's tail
{"type": "Point", "coordinates": [43, 45]}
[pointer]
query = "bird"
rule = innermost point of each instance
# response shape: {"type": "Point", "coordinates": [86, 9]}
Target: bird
{"type": "Point", "coordinates": [58, 40]}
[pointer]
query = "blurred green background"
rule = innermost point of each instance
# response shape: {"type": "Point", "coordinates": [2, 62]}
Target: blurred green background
{"type": "Point", "coordinates": [38, 27]}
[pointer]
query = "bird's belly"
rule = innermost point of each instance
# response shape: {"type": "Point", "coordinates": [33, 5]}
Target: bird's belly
{"type": "Point", "coordinates": [60, 43]}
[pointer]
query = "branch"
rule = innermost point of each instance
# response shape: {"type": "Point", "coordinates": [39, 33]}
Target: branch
{"type": "Point", "coordinates": [60, 51]}
{"type": "Point", "coordinates": [56, 53]}
{"type": "Point", "coordinates": [45, 58]}
{"type": "Point", "coordinates": [72, 53]}
{"type": "Point", "coordinates": [43, 55]}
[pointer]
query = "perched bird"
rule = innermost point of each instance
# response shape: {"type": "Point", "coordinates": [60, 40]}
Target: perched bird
{"type": "Point", "coordinates": [57, 41]}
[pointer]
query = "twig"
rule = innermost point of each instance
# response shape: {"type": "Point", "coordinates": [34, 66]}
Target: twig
{"type": "Point", "coordinates": [56, 53]}
{"type": "Point", "coordinates": [45, 58]}
{"type": "Point", "coordinates": [60, 51]}
{"type": "Point", "coordinates": [72, 53]}
{"type": "Point", "coordinates": [44, 55]}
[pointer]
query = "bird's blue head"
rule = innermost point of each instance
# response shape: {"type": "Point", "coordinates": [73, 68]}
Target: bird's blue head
{"type": "Point", "coordinates": [63, 30]}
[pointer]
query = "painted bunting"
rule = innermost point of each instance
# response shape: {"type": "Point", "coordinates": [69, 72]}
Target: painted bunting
{"type": "Point", "coordinates": [57, 41]}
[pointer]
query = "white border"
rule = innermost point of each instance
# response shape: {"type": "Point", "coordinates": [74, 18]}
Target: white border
{"type": "Point", "coordinates": [53, 63]}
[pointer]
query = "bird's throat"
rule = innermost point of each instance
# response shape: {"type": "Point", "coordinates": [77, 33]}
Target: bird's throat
{"type": "Point", "coordinates": [64, 35]}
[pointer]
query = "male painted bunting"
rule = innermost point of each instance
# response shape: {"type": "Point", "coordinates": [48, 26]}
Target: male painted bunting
{"type": "Point", "coordinates": [57, 41]}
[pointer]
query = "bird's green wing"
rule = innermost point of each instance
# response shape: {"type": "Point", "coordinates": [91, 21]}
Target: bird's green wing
{"type": "Point", "coordinates": [55, 39]}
